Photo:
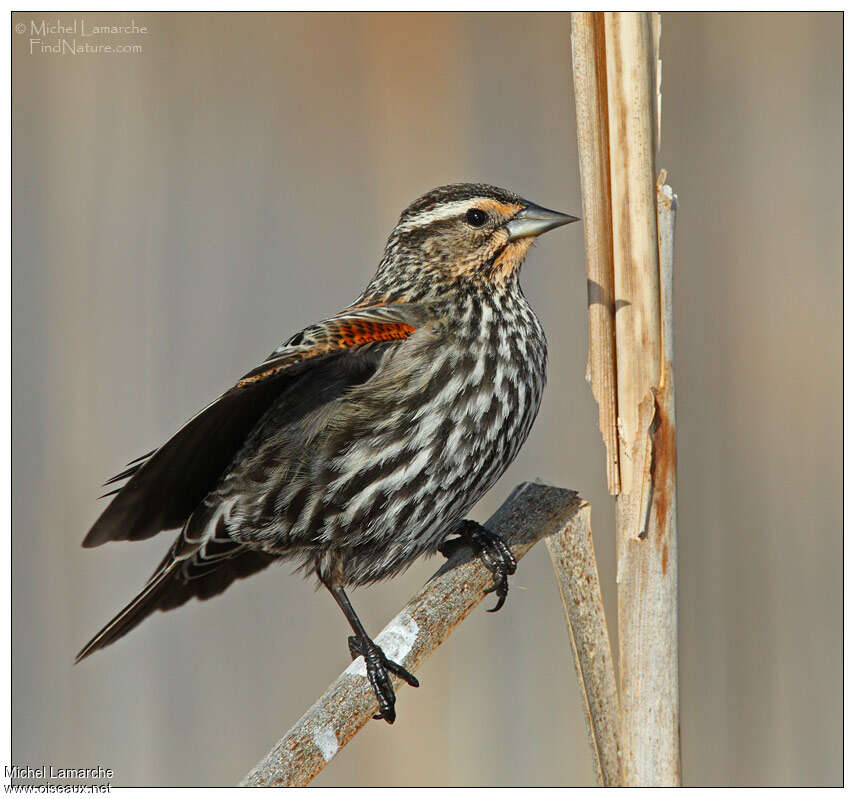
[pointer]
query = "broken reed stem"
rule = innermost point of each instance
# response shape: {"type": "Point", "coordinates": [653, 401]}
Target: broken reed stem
{"type": "Point", "coordinates": [592, 127]}
{"type": "Point", "coordinates": [575, 566]}
{"type": "Point", "coordinates": [666, 219]}
{"type": "Point", "coordinates": [646, 535]}
{"type": "Point", "coordinates": [641, 220]}
{"type": "Point", "coordinates": [532, 512]}
{"type": "Point", "coordinates": [635, 249]}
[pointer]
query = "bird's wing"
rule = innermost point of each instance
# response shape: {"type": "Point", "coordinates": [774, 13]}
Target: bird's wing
{"type": "Point", "coordinates": [166, 486]}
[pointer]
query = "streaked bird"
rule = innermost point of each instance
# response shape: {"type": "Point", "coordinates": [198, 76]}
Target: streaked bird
{"type": "Point", "coordinates": [363, 440]}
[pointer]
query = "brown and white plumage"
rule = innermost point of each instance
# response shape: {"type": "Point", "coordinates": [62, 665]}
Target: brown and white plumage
{"type": "Point", "coordinates": [361, 442]}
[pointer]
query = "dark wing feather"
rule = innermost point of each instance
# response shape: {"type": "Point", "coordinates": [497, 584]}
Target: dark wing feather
{"type": "Point", "coordinates": [166, 487]}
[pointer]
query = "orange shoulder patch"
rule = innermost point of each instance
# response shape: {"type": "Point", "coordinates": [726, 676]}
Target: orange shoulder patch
{"type": "Point", "coordinates": [336, 334]}
{"type": "Point", "coordinates": [353, 332]}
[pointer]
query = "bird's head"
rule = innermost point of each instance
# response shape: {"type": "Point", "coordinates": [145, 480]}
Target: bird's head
{"type": "Point", "coordinates": [466, 233]}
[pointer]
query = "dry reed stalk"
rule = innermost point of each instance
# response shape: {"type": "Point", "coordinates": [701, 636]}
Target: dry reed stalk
{"type": "Point", "coordinates": [641, 219]}
{"type": "Point", "coordinates": [592, 127]}
{"type": "Point", "coordinates": [572, 553]}
{"type": "Point", "coordinates": [647, 568]}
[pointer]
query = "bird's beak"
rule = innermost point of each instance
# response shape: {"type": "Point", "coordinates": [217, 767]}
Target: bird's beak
{"type": "Point", "coordinates": [534, 220]}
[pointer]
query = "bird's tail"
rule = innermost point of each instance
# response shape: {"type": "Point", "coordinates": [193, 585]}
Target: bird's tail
{"type": "Point", "coordinates": [207, 573]}
{"type": "Point", "coordinates": [142, 605]}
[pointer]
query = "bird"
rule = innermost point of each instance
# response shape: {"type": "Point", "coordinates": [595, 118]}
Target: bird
{"type": "Point", "coordinates": [362, 441]}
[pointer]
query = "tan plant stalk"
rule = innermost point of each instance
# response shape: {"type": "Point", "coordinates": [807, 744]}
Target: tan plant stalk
{"type": "Point", "coordinates": [641, 219]}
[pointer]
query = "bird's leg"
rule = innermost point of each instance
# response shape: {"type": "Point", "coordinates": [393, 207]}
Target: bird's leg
{"type": "Point", "coordinates": [377, 665]}
{"type": "Point", "coordinates": [492, 550]}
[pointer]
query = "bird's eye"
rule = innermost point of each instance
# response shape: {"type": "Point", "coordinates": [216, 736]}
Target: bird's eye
{"type": "Point", "coordinates": [476, 217]}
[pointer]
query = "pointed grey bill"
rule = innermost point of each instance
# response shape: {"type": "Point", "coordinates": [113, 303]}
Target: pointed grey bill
{"type": "Point", "coordinates": [534, 220]}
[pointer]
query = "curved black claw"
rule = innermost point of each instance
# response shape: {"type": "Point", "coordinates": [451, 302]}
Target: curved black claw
{"type": "Point", "coordinates": [493, 551]}
{"type": "Point", "coordinates": [378, 667]}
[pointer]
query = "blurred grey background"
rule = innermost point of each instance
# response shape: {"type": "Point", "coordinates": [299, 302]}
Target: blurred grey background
{"type": "Point", "coordinates": [181, 210]}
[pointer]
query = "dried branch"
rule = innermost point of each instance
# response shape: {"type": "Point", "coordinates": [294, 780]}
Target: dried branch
{"type": "Point", "coordinates": [572, 553]}
{"type": "Point", "coordinates": [592, 126]}
{"type": "Point", "coordinates": [532, 512]}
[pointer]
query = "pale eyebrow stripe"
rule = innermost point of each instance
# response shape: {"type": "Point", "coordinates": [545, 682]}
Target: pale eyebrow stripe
{"type": "Point", "coordinates": [444, 211]}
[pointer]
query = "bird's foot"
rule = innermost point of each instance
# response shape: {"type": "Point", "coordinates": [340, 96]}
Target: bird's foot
{"type": "Point", "coordinates": [378, 667]}
{"type": "Point", "coordinates": [493, 551]}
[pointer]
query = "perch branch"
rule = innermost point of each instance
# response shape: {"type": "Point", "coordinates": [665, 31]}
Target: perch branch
{"type": "Point", "coordinates": [532, 512]}
{"type": "Point", "coordinates": [575, 566]}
